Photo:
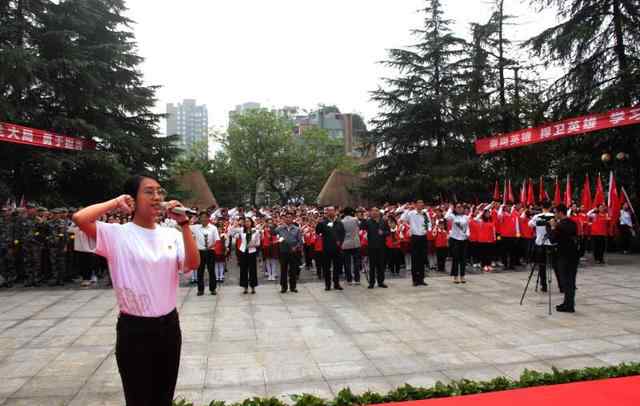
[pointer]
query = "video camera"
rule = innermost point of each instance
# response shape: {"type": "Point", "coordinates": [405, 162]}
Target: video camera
{"type": "Point", "coordinates": [544, 219]}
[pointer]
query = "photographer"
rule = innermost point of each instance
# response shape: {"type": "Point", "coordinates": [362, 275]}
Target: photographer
{"type": "Point", "coordinates": [564, 233]}
{"type": "Point", "coordinates": [540, 223]}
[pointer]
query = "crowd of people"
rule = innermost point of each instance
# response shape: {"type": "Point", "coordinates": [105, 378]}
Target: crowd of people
{"type": "Point", "coordinates": [40, 246]}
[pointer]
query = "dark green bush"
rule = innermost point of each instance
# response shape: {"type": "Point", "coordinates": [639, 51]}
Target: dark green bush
{"type": "Point", "coordinates": [440, 390]}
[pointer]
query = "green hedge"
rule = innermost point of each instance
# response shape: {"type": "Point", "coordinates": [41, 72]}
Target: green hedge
{"type": "Point", "coordinates": [441, 390]}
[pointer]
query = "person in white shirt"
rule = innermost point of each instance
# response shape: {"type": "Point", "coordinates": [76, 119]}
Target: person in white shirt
{"type": "Point", "coordinates": [419, 225]}
{"type": "Point", "coordinates": [626, 228]}
{"type": "Point", "coordinates": [144, 262]}
{"type": "Point", "coordinates": [458, 240]}
{"type": "Point", "coordinates": [84, 248]}
{"type": "Point", "coordinates": [206, 234]}
{"type": "Point", "coordinates": [247, 239]}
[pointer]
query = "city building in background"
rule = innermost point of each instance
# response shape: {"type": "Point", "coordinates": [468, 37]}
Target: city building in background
{"type": "Point", "coordinates": [347, 127]}
{"type": "Point", "coordinates": [189, 120]}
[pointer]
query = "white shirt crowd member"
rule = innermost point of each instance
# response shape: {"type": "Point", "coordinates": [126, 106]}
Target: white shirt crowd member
{"type": "Point", "coordinates": [250, 246]}
{"type": "Point", "coordinates": [418, 222]}
{"type": "Point", "coordinates": [144, 265]}
{"type": "Point", "coordinates": [205, 236]}
{"type": "Point", "coordinates": [459, 227]}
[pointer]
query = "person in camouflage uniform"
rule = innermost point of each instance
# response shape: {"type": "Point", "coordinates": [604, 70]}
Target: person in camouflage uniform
{"type": "Point", "coordinates": [7, 269]}
{"type": "Point", "coordinates": [57, 247]}
{"type": "Point", "coordinates": [34, 234]}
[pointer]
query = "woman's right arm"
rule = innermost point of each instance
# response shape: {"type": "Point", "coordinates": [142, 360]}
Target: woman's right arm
{"type": "Point", "coordinates": [87, 217]}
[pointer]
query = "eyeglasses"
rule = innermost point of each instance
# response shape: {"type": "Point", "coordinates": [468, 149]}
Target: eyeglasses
{"type": "Point", "coordinates": [151, 192]}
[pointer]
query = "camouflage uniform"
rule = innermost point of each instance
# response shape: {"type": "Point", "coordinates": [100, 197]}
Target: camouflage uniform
{"type": "Point", "coordinates": [7, 269]}
{"type": "Point", "coordinates": [57, 245]}
{"type": "Point", "coordinates": [34, 243]}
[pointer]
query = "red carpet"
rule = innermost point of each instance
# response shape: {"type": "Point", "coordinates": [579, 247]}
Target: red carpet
{"type": "Point", "coordinates": [609, 392]}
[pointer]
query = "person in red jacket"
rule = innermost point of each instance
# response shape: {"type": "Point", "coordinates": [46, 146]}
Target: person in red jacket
{"type": "Point", "coordinates": [486, 229]}
{"type": "Point", "coordinates": [578, 217]}
{"type": "Point", "coordinates": [392, 242]}
{"type": "Point", "coordinates": [527, 235]}
{"type": "Point", "coordinates": [599, 231]}
{"type": "Point", "coordinates": [220, 252]}
{"type": "Point", "coordinates": [317, 253]}
{"type": "Point", "coordinates": [441, 242]}
{"type": "Point", "coordinates": [509, 226]}
{"type": "Point", "coordinates": [364, 250]}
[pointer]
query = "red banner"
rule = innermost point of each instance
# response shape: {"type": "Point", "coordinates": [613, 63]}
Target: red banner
{"type": "Point", "coordinates": [40, 138]}
{"type": "Point", "coordinates": [559, 130]}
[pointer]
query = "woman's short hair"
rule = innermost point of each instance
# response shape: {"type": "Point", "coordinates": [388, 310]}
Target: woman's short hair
{"type": "Point", "coordinates": [132, 184]}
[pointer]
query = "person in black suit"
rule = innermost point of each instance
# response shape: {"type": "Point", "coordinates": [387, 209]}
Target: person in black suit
{"type": "Point", "coordinates": [564, 234]}
{"type": "Point", "coordinates": [332, 232]}
{"type": "Point", "coordinates": [377, 231]}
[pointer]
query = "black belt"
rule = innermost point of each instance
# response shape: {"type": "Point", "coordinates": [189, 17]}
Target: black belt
{"type": "Point", "coordinates": [170, 317]}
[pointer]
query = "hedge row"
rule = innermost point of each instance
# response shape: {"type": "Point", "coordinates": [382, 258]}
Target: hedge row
{"type": "Point", "coordinates": [407, 392]}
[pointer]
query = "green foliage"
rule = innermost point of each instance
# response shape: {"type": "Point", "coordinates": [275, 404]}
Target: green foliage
{"type": "Point", "coordinates": [71, 67]}
{"type": "Point", "coordinates": [528, 379]}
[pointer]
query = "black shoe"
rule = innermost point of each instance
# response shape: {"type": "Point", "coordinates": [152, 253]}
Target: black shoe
{"type": "Point", "coordinates": [543, 289]}
{"type": "Point", "coordinates": [294, 290]}
{"type": "Point", "coordinates": [338, 287]}
{"type": "Point", "coordinates": [327, 288]}
{"type": "Point", "coordinates": [213, 292]}
{"type": "Point", "coordinates": [382, 286]}
{"type": "Point", "coordinates": [245, 292]}
{"type": "Point", "coordinates": [565, 309]}
{"type": "Point", "coordinates": [200, 293]}
{"type": "Point", "coordinates": [371, 286]}
{"type": "Point", "coordinates": [253, 291]}
{"type": "Point", "coordinates": [423, 283]}
{"type": "Point", "coordinates": [283, 291]}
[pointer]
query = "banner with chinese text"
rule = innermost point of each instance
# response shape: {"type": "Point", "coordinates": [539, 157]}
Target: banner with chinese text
{"type": "Point", "coordinates": [559, 130]}
{"type": "Point", "coordinates": [40, 138]}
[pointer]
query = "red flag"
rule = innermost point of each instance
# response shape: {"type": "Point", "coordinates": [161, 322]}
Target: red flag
{"type": "Point", "coordinates": [510, 198]}
{"type": "Point", "coordinates": [614, 203]}
{"type": "Point", "coordinates": [586, 194]}
{"type": "Point", "coordinates": [598, 199]}
{"type": "Point", "coordinates": [496, 192]}
{"type": "Point", "coordinates": [557, 195]}
{"type": "Point", "coordinates": [568, 193]}
{"type": "Point", "coordinates": [531, 196]}
{"type": "Point", "coordinates": [523, 193]}
{"type": "Point", "coordinates": [543, 196]}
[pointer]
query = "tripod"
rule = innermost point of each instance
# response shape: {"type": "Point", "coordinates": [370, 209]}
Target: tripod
{"type": "Point", "coordinates": [536, 266]}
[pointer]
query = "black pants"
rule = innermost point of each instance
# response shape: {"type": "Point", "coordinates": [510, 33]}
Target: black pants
{"type": "Point", "coordinates": [418, 258]}
{"type": "Point", "coordinates": [625, 238]}
{"type": "Point", "coordinates": [567, 266]}
{"type": "Point", "coordinates": [541, 259]}
{"type": "Point", "coordinates": [599, 243]}
{"type": "Point", "coordinates": [376, 266]}
{"type": "Point", "coordinates": [248, 269]}
{"type": "Point", "coordinates": [308, 255]}
{"type": "Point", "coordinates": [441, 255]}
{"type": "Point", "coordinates": [394, 260]}
{"type": "Point", "coordinates": [352, 264]}
{"type": "Point", "coordinates": [148, 357]}
{"type": "Point", "coordinates": [87, 264]}
{"type": "Point", "coordinates": [485, 253]}
{"type": "Point", "coordinates": [207, 260]}
{"type": "Point", "coordinates": [331, 265]}
{"type": "Point", "coordinates": [288, 270]}
{"type": "Point", "coordinates": [509, 252]}
{"type": "Point", "coordinates": [459, 256]}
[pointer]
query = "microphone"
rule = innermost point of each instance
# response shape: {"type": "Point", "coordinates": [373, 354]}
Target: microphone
{"type": "Point", "coordinates": [180, 210]}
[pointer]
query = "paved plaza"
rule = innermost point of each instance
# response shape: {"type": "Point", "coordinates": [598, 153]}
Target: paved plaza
{"type": "Point", "coordinates": [57, 346]}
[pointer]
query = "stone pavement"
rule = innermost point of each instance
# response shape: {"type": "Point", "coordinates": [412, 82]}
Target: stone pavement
{"type": "Point", "coordinates": [56, 346]}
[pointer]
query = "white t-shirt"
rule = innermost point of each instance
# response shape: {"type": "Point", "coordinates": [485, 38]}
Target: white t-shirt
{"type": "Point", "coordinates": [144, 265]}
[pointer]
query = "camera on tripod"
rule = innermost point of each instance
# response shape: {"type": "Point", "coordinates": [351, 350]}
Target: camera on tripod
{"type": "Point", "coordinates": [544, 219]}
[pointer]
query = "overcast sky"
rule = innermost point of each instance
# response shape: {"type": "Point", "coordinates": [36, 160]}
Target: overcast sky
{"type": "Point", "coordinates": [287, 52]}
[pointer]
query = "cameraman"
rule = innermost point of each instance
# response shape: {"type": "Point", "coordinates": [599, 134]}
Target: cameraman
{"type": "Point", "coordinates": [564, 233]}
{"type": "Point", "coordinates": [540, 223]}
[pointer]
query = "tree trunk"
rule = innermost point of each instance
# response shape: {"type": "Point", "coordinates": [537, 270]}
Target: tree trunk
{"type": "Point", "coordinates": [623, 67]}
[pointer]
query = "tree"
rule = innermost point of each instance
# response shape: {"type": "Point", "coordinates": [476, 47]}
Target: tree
{"type": "Point", "coordinates": [77, 58]}
{"type": "Point", "coordinates": [417, 134]}
{"type": "Point", "coordinates": [254, 138]}
{"type": "Point", "coordinates": [304, 164]}
{"type": "Point", "coordinates": [597, 45]}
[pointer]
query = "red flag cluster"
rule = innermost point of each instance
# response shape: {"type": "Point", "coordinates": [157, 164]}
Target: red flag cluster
{"type": "Point", "coordinates": [527, 196]}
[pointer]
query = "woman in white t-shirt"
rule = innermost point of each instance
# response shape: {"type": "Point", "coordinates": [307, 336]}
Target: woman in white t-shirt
{"type": "Point", "coordinates": [144, 263]}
